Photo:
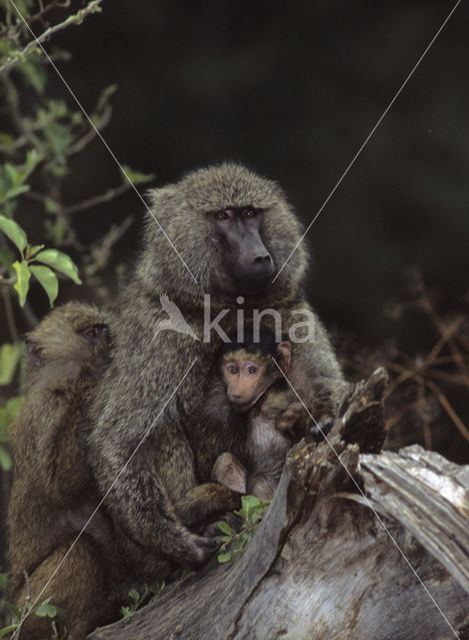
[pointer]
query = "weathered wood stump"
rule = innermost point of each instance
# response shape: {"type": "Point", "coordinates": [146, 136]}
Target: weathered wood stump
{"type": "Point", "coordinates": [355, 546]}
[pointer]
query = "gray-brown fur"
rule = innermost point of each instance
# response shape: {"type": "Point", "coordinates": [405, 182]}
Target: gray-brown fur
{"type": "Point", "coordinates": [53, 492]}
{"type": "Point", "coordinates": [180, 450]}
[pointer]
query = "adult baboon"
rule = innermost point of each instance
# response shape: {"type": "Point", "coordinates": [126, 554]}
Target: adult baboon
{"type": "Point", "coordinates": [234, 230]}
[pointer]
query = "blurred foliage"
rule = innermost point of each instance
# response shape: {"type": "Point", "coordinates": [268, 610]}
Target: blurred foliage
{"type": "Point", "coordinates": [137, 600]}
{"type": "Point", "coordinates": [426, 398]}
{"type": "Point", "coordinates": [44, 610]}
{"type": "Point", "coordinates": [41, 134]}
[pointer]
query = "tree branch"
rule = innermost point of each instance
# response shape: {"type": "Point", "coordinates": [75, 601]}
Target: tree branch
{"type": "Point", "coordinates": [19, 56]}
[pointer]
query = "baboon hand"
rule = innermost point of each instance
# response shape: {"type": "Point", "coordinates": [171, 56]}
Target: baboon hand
{"type": "Point", "coordinates": [201, 549]}
{"type": "Point", "coordinates": [288, 419]}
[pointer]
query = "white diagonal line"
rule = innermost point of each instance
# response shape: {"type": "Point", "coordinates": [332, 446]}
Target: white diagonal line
{"type": "Point", "coordinates": [145, 436]}
{"type": "Point", "coordinates": [367, 139]}
{"type": "Point", "coordinates": [393, 540]}
{"type": "Point", "coordinates": [101, 138]}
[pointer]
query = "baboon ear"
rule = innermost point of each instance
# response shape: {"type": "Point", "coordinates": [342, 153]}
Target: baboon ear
{"type": "Point", "coordinates": [284, 353]}
{"type": "Point", "coordinates": [32, 352]}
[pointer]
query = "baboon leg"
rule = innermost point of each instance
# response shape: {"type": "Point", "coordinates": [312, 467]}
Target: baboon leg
{"type": "Point", "coordinates": [204, 501]}
{"type": "Point", "coordinates": [79, 587]}
{"type": "Point", "coordinates": [228, 471]}
{"type": "Point", "coordinates": [262, 485]}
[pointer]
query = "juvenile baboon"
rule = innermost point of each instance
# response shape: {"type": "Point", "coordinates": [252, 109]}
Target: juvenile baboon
{"type": "Point", "coordinates": [53, 493]}
{"type": "Point", "coordinates": [252, 371]}
{"type": "Point", "coordinates": [234, 231]}
{"type": "Point", "coordinates": [254, 384]}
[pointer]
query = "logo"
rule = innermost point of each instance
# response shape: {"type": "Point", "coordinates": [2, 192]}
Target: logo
{"type": "Point", "coordinates": [298, 332]}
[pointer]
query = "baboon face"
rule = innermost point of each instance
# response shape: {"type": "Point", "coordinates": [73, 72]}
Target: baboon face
{"type": "Point", "coordinates": [234, 230]}
{"type": "Point", "coordinates": [246, 256]}
{"type": "Point", "coordinates": [248, 374]}
{"type": "Point", "coordinates": [68, 334]}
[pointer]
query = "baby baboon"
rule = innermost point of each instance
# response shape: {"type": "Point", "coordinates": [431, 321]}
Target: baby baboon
{"type": "Point", "coordinates": [234, 231]}
{"type": "Point", "coordinates": [254, 384]}
{"type": "Point", "coordinates": [53, 493]}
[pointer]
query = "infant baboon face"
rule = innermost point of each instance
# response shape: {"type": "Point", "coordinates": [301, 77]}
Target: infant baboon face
{"type": "Point", "coordinates": [246, 379]}
{"type": "Point", "coordinates": [249, 372]}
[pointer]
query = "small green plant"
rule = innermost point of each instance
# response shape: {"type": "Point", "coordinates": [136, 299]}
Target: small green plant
{"type": "Point", "coordinates": [44, 610]}
{"type": "Point", "coordinates": [138, 600]}
{"type": "Point", "coordinates": [252, 511]}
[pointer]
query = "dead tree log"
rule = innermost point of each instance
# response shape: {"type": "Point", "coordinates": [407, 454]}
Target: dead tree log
{"type": "Point", "coordinates": [355, 546]}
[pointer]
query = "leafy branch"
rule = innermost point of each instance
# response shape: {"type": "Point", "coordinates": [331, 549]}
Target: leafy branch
{"type": "Point", "coordinates": [17, 56]}
{"type": "Point", "coordinates": [234, 542]}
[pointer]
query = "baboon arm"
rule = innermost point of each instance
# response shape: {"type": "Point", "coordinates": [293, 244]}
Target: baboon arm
{"type": "Point", "coordinates": [205, 501]}
{"type": "Point", "coordinates": [64, 469]}
{"type": "Point", "coordinates": [139, 502]}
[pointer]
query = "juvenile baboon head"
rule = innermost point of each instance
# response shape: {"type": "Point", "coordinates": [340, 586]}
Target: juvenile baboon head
{"type": "Point", "coordinates": [232, 228]}
{"type": "Point", "coordinates": [248, 368]}
{"type": "Point", "coordinates": [65, 339]}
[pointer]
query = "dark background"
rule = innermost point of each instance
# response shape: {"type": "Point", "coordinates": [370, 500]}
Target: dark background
{"type": "Point", "coordinates": [293, 90]}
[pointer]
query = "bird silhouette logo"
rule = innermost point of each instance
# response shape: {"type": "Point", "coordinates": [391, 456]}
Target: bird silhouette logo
{"type": "Point", "coordinates": [175, 321]}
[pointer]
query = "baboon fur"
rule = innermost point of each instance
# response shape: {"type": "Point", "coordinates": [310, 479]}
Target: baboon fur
{"type": "Point", "coordinates": [53, 493]}
{"type": "Point", "coordinates": [136, 404]}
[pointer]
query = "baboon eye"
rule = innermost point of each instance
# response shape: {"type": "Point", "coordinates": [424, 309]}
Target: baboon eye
{"type": "Point", "coordinates": [221, 215]}
{"type": "Point", "coordinates": [95, 331]}
{"type": "Point", "coordinates": [252, 370]}
{"type": "Point", "coordinates": [249, 212]}
{"type": "Point", "coordinates": [232, 369]}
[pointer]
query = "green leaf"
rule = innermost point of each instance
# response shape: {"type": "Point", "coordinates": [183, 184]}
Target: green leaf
{"type": "Point", "coordinates": [6, 630]}
{"type": "Point", "coordinates": [34, 73]}
{"type": "Point", "coordinates": [59, 138]}
{"type": "Point", "coordinates": [12, 609]}
{"type": "Point", "coordinates": [61, 613]}
{"type": "Point", "coordinates": [7, 141]}
{"type": "Point", "coordinates": [250, 501]}
{"type": "Point", "coordinates": [46, 610]}
{"type": "Point", "coordinates": [31, 250]}
{"type": "Point", "coordinates": [7, 256]}
{"type": "Point", "coordinates": [134, 594]}
{"type": "Point", "coordinates": [157, 588]}
{"type": "Point", "coordinates": [22, 283]}
{"type": "Point", "coordinates": [33, 157]}
{"type": "Point", "coordinates": [225, 557]}
{"type": "Point", "coordinates": [13, 230]}
{"type": "Point", "coordinates": [8, 413]}
{"type": "Point", "coordinates": [225, 527]}
{"type": "Point", "coordinates": [125, 611]}
{"type": "Point", "coordinates": [239, 545]}
{"type": "Point", "coordinates": [48, 280]}
{"type": "Point", "coordinates": [136, 177]}
{"type": "Point", "coordinates": [5, 460]}
{"type": "Point", "coordinates": [14, 192]}
{"type": "Point", "coordinates": [59, 261]}
{"type": "Point", "coordinates": [9, 357]}
{"type": "Point", "coordinates": [106, 93]}
{"type": "Point", "coordinates": [51, 205]}
{"type": "Point", "coordinates": [13, 173]}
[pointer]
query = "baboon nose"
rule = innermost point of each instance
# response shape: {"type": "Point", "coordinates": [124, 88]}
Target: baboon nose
{"type": "Point", "coordinates": [261, 260]}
